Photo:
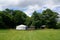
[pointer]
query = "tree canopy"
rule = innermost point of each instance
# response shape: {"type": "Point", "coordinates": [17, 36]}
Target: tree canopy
{"type": "Point", "coordinates": [11, 18]}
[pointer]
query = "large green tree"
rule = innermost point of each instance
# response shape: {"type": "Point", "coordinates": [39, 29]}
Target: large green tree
{"type": "Point", "coordinates": [50, 18]}
{"type": "Point", "coordinates": [11, 18]}
{"type": "Point", "coordinates": [36, 20]}
{"type": "Point", "coordinates": [19, 17]}
{"type": "Point", "coordinates": [28, 21]}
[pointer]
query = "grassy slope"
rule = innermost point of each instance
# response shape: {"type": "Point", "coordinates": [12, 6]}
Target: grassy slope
{"type": "Point", "coordinates": [30, 35]}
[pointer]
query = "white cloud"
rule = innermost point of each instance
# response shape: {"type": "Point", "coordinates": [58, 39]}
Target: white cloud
{"type": "Point", "coordinates": [8, 3]}
{"type": "Point", "coordinates": [31, 9]}
{"type": "Point", "coordinates": [41, 5]}
{"type": "Point", "coordinates": [31, 5]}
{"type": "Point", "coordinates": [1, 7]}
{"type": "Point", "coordinates": [56, 8]}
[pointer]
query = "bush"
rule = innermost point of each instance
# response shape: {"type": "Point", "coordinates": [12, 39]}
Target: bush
{"type": "Point", "coordinates": [58, 25]}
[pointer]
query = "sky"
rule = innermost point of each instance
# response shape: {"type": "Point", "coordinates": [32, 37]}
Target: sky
{"type": "Point", "coordinates": [29, 6]}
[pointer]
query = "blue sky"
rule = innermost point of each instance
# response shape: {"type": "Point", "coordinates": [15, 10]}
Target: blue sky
{"type": "Point", "coordinates": [29, 6]}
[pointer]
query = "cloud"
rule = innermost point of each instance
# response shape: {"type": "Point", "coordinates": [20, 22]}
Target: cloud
{"type": "Point", "coordinates": [8, 3]}
{"type": "Point", "coordinates": [29, 6]}
{"type": "Point", "coordinates": [42, 5]}
{"type": "Point", "coordinates": [57, 9]}
{"type": "Point", "coordinates": [31, 9]}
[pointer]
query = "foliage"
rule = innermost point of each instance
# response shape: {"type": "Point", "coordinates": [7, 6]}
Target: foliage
{"type": "Point", "coordinates": [50, 18]}
{"type": "Point", "coordinates": [58, 25]}
{"type": "Point", "coordinates": [28, 21]}
{"type": "Point", "coordinates": [36, 20]}
{"type": "Point", "coordinates": [11, 18]}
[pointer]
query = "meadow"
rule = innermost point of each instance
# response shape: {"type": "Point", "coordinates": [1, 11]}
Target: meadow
{"type": "Point", "coordinates": [45, 34]}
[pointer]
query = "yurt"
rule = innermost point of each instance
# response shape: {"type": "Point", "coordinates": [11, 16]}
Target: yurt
{"type": "Point", "coordinates": [21, 27]}
{"type": "Point", "coordinates": [43, 26]}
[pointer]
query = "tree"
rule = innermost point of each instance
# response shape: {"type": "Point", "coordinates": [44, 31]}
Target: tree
{"type": "Point", "coordinates": [58, 25]}
{"type": "Point", "coordinates": [1, 21]}
{"type": "Point", "coordinates": [28, 21]}
{"type": "Point", "coordinates": [36, 20]}
{"type": "Point", "coordinates": [7, 18]}
{"type": "Point", "coordinates": [11, 18]}
{"type": "Point", "coordinates": [50, 18]}
{"type": "Point", "coordinates": [19, 17]}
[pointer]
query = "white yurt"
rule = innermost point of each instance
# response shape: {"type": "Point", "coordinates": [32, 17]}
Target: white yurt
{"type": "Point", "coordinates": [43, 26]}
{"type": "Point", "coordinates": [21, 27]}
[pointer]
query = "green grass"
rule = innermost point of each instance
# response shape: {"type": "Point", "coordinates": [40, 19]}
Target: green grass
{"type": "Point", "coordinates": [47, 34]}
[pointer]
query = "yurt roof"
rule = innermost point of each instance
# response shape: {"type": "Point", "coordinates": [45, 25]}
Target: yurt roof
{"type": "Point", "coordinates": [22, 25]}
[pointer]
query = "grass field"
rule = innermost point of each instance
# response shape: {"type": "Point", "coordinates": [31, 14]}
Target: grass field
{"type": "Point", "coordinates": [47, 34]}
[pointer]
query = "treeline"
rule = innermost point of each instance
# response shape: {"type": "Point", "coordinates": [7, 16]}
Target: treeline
{"type": "Point", "coordinates": [9, 19]}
